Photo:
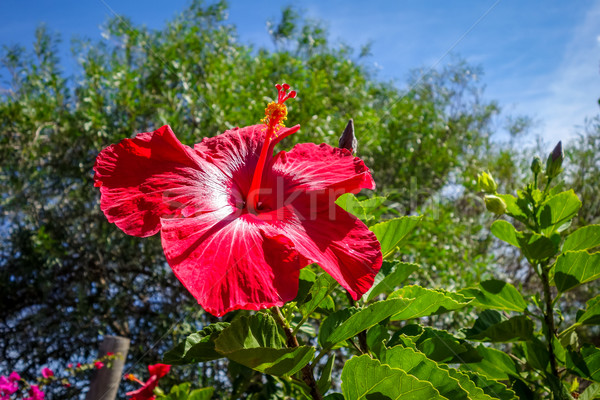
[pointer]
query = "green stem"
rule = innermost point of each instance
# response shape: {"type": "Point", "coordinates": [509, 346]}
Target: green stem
{"type": "Point", "coordinates": [307, 371]}
{"type": "Point", "coordinates": [549, 318]}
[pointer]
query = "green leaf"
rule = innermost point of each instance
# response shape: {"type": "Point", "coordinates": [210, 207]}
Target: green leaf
{"type": "Point", "coordinates": [496, 294]}
{"type": "Point", "coordinates": [495, 364]}
{"type": "Point", "coordinates": [591, 315]}
{"type": "Point", "coordinates": [324, 382]}
{"type": "Point", "coordinates": [391, 275]}
{"type": "Point", "coordinates": [574, 268]}
{"type": "Point", "coordinates": [197, 347]}
{"type": "Point", "coordinates": [305, 284]}
{"type": "Point", "coordinates": [392, 232]}
{"type": "Point", "coordinates": [537, 354]}
{"type": "Point", "coordinates": [475, 392]}
{"type": "Point", "coordinates": [592, 392]}
{"type": "Point", "coordinates": [365, 378]}
{"type": "Point", "coordinates": [423, 302]}
{"type": "Point", "coordinates": [202, 394]}
{"type": "Point", "coordinates": [492, 326]}
{"type": "Point", "coordinates": [439, 345]}
{"type": "Point", "coordinates": [372, 204]}
{"type": "Point", "coordinates": [318, 292]}
{"type": "Point", "coordinates": [418, 365]}
{"type": "Point", "coordinates": [350, 203]}
{"type": "Point", "coordinates": [513, 208]}
{"type": "Point", "coordinates": [558, 210]}
{"type": "Point", "coordinates": [505, 231]}
{"type": "Point", "coordinates": [494, 389]}
{"type": "Point", "coordinates": [583, 238]}
{"type": "Point", "coordinates": [536, 247]}
{"type": "Point", "coordinates": [256, 342]}
{"type": "Point", "coordinates": [359, 321]}
{"type": "Point", "coordinates": [585, 362]}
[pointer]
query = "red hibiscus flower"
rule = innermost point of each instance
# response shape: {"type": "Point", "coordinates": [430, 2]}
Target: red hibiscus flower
{"type": "Point", "coordinates": [237, 223]}
{"type": "Point", "coordinates": [146, 392]}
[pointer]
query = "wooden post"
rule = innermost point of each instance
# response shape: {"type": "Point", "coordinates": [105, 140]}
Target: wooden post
{"type": "Point", "coordinates": [106, 381]}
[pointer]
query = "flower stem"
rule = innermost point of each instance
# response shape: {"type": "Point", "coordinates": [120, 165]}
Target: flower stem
{"type": "Point", "coordinates": [549, 318]}
{"type": "Point", "coordinates": [307, 372]}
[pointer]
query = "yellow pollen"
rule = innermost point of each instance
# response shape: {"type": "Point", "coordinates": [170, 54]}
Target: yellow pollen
{"type": "Point", "coordinates": [275, 114]}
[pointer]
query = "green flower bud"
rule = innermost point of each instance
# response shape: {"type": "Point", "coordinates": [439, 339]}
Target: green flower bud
{"type": "Point", "coordinates": [486, 183]}
{"type": "Point", "coordinates": [536, 165]}
{"type": "Point", "coordinates": [495, 204]}
{"type": "Point", "coordinates": [554, 161]}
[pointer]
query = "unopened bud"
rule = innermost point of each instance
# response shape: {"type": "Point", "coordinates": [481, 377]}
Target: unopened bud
{"type": "Point", "coordinates": [554, 161]}
{"type": "Point", "coordinates": [348, 140]}
{"type": "Point", "coordinates": [486, 183]}
{"type": "Point", "coordinates": [536, 165]}
{"type": "Point", "coordinates": [495, 204]}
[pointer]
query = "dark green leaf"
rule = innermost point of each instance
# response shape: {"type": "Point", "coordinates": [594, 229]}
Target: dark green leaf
{"type": "Point", "coordinates": [583, 238]}
{"type": "Point", "coordinates": [256, 342]}
{"type": "Point", "coordinates": [318, 292]}
{"type": "Point", "coordinates": [495, 364]}
{"type": "Point", "coordinates": [365, 378]}
{"type": "Point", "coordinates": [505, 231]}
{"type": "Point", "coordinates": [324, 382]}
{"type": "Point", "coordinates": [492, 326]}
{"type": "Point", "coordinates": [536, 247]}
{"type": "Point", "coordinates": [591, 315]}
{"type": "Point", "coordinates": [585, 362]}
{"type": "Point", "coordinates": [392, 232]}
{"type": "Point", "coordinates": [197, 347]}
{"type": "Point", "coordinates": [391, 275]}
{"type": "Point", "coordinates": [496, 294]}
{"type": "Point", "coordinates": [574, 268]}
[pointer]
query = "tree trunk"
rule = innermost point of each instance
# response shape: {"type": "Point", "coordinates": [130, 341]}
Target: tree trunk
{"type": "Point", "coordinates": [105, 382]}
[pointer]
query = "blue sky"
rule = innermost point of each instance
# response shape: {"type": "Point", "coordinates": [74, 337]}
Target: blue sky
{"type": "Point", "coordinates": [540, 59]}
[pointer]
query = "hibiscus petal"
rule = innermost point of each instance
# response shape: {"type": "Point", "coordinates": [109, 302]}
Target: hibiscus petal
{"type": "Point", "coordinates": [230, 261]}
{"type": "Point", "coordinates": [159, 370]}
{"type": "Point", "coordinates": [321, 167]}
{"type": "Point", "coordinates": [336, 240]}
{"type": "Point", "coordinates": [154, 175]}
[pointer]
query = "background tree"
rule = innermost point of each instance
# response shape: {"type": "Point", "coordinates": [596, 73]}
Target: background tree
{"type": "Point", "coordinates": [67, 276]}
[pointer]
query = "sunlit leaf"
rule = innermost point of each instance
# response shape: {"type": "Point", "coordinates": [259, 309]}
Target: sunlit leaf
{"type": "Point", "coordinates": [423, 302]}
{"type": "Point", "coordinates": [391, 275]}
{"type": "Point", "coordinates": [496, 294]}
{"type": "Point", "coordinates": [574, 268]}
{"type": "Point", "coordinates": [392, 232]}
{"type": "Point", "coordinates": [365, 378]}
{"type": "Point", "coordinates": [197, 347]}
{"type": "Point", "coordinates": [584, 238]}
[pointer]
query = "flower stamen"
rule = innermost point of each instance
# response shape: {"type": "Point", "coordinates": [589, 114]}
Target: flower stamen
{"type": "Point", "coordinates": [275, 115]}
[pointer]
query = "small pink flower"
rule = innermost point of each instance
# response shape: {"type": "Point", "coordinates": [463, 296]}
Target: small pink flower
{"type": "Point", "coordinates": [110, 354]}
{"type": "Point", "coordinates": [7, 387]}
{"type": "Point", "coordinates": [98, 364]}
{"type": "Point", "coordinates": [78, 365]}
{"type": "Point", "coordinates": [47, 372]}
{"type": "Point", "coordinates": [14, 377]}
{"type": "Point", "coordinates": [35, 393]}
{"type": "Point", "coordinates": [70, 366]}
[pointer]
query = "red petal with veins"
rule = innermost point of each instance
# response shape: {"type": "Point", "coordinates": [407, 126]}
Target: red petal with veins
{"type": "Point", "coordinates": [336, 240]}
{"type": "Point", "coordinates": [154, 175]}
{"type": "Point", "coordinates": [230, 261]}
{"type": "Point", "coordinates": [318, 167]}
